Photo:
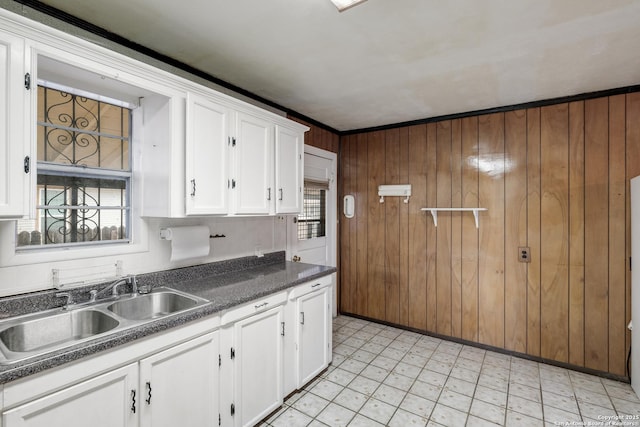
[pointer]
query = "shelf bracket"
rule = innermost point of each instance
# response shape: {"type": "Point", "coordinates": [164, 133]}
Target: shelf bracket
{"type": "Point", "coordinates": [434, 213]}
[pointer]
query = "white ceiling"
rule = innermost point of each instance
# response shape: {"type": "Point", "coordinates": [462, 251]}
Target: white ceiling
{"type": "Point", "coordinates": [388, 61]}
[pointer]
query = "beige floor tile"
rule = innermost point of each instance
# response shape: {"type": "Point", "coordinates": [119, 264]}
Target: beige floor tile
{"type": "Point", "coordinates": [351, 399]}
{"type": "Point", "coordinates": [418, 405]}
{"type": "Point", "coordinates": [390, 395]}
{"type": "Point", "coordinates": [378, 410]}
{"type": "Point", "coordinates": [336, 416]}
{"type": "Point", "coordinates": [487, 411]}
{"type": "Point", "coordinates": [362, 421]}
{"type": "Point", "coordinates": [448, 416]}
{"type": "Point", "coordinates": [524, 406]}
{"type": "Point", "coordinates": [448, 384]}
{"type": "Point", "coordinates": [516, 419]}
{"type": "Point", "coordinates": [375, 373]}
{"type": "Point", "coordinates": [310, 404]}
{"type": "Point", "coordinates": [399, 381]}
{"type": "Point", "coordinates": [403, 418]}
{"type": "Point", "coordinates": [292, 418]}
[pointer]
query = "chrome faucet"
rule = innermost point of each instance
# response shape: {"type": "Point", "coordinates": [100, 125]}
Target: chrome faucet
{"type": "Point", "coordinates": [68, 296]}
{"type": "Point", "coordinates": [113, 287]}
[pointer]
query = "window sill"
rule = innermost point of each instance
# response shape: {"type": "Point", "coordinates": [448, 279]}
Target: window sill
{"type": "Point", "coordinates": [9, 256]}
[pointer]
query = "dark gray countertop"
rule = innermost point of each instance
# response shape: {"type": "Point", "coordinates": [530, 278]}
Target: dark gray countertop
{"type": "Point", "coordinates": [225, 284]}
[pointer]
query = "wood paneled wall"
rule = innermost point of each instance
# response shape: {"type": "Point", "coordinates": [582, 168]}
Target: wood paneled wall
{"type": "Point", "coordinates": [554, 179]}
{"type": "Point", "coordinates": [319, 137]}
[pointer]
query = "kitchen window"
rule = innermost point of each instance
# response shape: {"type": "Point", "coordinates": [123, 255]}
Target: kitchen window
{"type": "Point", "coordinates": [84, 170]}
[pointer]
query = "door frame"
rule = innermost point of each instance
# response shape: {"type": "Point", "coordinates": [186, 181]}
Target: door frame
{"type": "Point", "coordinates": [332, 215]}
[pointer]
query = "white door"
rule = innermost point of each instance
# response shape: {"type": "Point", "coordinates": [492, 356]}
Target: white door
{"type": "Point", "coordinates": [289, 147]}
{"type": "Point", "coordinates": [179, 386]}
{"type": "Point", "coordinates": [635, 283]}
{"type": "Point", "coordinates": [258, 382]}
{"type": "Point", "coordinates": [206, 153]}
{"type": "Point", "coordinates": [108, 400]}
{"type": "Point", "coordinates": [252, 182]}
{"type": "Point", "coordinates": [311, 236]}
{"type": "Point", "coordinates": [313, 324]}
{"type": "Point", "coordinates": [14, 142]}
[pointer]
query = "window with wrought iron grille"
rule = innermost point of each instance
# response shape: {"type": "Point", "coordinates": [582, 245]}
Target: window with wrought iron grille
{"type": "Point", "coordinates": [84, 171]}
{"type": "Point", "coordinates": [312, 220]}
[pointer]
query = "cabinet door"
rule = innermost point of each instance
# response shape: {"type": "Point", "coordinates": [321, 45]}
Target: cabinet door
{"type": "Point", "coordinates": [289, 170]}
{"type": "Point", "coordinates": [258, 366]}
{"type": "Point", "coordinates": [206, 152]}
{"type": "Point", "coordinates": [15, 144]}
{"type": "Point", "coordinates": [179, 386]}
{"type": "Point", "coordinates": [108, 400]}
{"type": "Point", "coordinates": [313, 334]}
{"type": "Point", "coordinates": [252, 184]}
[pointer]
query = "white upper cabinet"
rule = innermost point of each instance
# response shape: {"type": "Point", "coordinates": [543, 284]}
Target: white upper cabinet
{"type": "Point", "coordinates": [252, 178]}
{"type": "Point", "coordinates": [289, 170]}
{"type": "Point", "coordinates": [184, 159]}
{"type": "Point", "coordinates": [208, 137]}
{"type": "Point", "coordinates": [15, 140]}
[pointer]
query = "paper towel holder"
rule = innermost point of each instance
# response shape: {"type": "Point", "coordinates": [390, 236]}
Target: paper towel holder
{"type": "Point", "coordinates": [166, 235]}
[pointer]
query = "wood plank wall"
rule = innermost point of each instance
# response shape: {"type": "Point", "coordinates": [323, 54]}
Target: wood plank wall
{"type": "Point", "coordinates": [554, 179]}
{"type": "Point", "coordinates": [319, 137]}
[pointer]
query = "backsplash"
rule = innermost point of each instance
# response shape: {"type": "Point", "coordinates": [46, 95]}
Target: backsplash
{"type": "Point", "coordinates": [45, 300]}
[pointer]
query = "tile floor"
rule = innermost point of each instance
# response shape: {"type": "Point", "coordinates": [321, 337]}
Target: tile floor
{"type": "Point", "coordinates": [387, 376]}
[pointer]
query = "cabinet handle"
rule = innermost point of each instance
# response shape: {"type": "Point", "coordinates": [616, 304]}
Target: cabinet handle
{"type": "Point", "coordinates": [27, 164]}
{"type": "Point", "coordinates": [264, 304]}
{"type": "Point", "coordinates": [148, 393]}
{"type": "Point", "coordinates": [269, 193]}
{"type": "Point", "coordinates": [280, 194]}
{"type": "Point", "coordinates": [302, 317]}
{"type": "Point", "coordinates": [282, 333]}
{"type": "Point", "coordinates": [233, 183]}
{"type": "Point", "coordinates": [193, 187]}
{"type": "Point", "coordinates": [133, 401]}
{"type": "Point", "coordinates": [316, 285]}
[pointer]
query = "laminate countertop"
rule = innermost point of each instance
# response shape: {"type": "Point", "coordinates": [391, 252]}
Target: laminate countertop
{"type": "Point", "coordinates": [224, 284]}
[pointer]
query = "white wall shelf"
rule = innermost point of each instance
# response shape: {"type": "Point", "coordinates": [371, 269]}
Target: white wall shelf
{"type": "Point", "coordinates": [434, 212]}
{"type": "Point", "coordinates": [403, 190]}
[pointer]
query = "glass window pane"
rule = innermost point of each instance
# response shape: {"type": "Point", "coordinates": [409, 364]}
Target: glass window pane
{"type": "Point", "coordinates": [312, 220]}
{"type": "Point", "coordinates": [77, 130]}
{"type": "Point", "coordinates": [75, 209]}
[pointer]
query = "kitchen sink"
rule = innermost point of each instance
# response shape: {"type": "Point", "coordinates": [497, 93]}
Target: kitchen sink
{"type": "Point", "coordinates": [35, 334]}
{"type": "Point", "coordinates": [54, 329]}
{"type": "Point", "coordinates": [159, 303]}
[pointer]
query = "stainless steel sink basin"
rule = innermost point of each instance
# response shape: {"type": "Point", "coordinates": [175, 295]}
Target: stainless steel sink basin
{"type": "Point", "coordinates": [35, 334]}
{"type": "Point", "coordinates": [154, 305]}
{"type": "Point", "coordinates": [55, 329]}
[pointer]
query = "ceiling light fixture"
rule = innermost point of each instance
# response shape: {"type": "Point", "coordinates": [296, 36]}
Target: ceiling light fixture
{"type": "Point", "coordinates": [343, 5]}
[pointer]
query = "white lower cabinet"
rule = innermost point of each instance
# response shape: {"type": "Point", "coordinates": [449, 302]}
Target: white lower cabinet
{"type": "Point", "coordinates": [308, 346]}
{"type": "Point", "coordinates": [108, 400]}
{"type": "Point", "coordinates": [234, 376]}
{"type": "Point", "coordinates": [179, 386]}
{"type": "Point", "coordinates": [252, 364]}
{"type": "Point", "coordinates": [174, 387]}
{"type": "Point", "coordinates": [313, 328]}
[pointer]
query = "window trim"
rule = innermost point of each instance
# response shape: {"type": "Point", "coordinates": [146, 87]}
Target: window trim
{"type": "Point", "coordinates": [72, 170]}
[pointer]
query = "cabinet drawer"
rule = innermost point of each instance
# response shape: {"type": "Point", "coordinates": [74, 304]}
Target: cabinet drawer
{"type": "Point", "coordinates": [311, 286]}
{"type": "Point", "coordinates": [253, 307]}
